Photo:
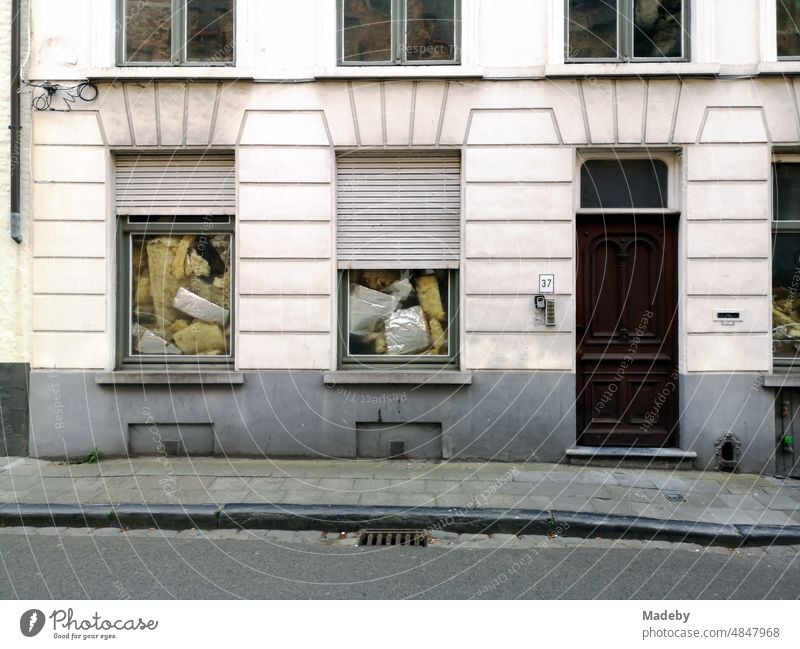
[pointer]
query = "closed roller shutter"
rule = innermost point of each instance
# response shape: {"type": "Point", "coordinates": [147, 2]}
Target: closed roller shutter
{"type": "Point", "coordinates": [399, 211]}
{"type": "Point", "coordinates": [175, 184]}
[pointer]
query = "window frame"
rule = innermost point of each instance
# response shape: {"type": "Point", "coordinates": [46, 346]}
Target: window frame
{"type": "Point", "coordinates": [399, 33]}
{"type": "Point", "coordinates": [625, 13]}
{"type": "Point", "coordinates": [778, 227]}
{"type": "Point", "coordinates": [204, 225]}
{"type": "Point", "coordinates": [349, 361]}
{"type": "Point", "coordinates": [779, 57]}
{"type": "Point", "coordinates": [178, 44]}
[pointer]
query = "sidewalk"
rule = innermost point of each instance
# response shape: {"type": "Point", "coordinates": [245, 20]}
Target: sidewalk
{"type": "Point", "coordinates": [721, 499]}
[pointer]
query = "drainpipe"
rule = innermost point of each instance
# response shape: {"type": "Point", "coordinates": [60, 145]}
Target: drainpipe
{"type": "Point", "coordinates": [15, 126]}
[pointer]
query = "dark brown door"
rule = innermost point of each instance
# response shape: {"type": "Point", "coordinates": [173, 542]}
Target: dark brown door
{"type": "Point", "coordinates": [627, 325]}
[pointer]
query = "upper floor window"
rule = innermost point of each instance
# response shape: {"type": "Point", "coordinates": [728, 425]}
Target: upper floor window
{"type": "Point", "coordinates": [177, 32]}
{"type": "Point", "coordinates": [399, 32]}
{"type": "Point", "coordinates": [627, 30]}
{"type": "Point", "coordinates": [788, 33]}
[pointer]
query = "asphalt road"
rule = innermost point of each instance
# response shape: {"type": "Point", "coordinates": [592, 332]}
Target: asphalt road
{"type": "Point", "coordinates": [106, 564]}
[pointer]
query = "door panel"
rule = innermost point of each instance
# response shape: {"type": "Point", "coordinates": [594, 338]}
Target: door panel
{"type": "Point", "coordinates": [627, 330]}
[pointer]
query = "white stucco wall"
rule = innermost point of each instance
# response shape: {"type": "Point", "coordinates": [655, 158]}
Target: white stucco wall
{"type": "Point", "coordinates": [519, 141]}
{"type": "Point", "coordinates": [501, 38]}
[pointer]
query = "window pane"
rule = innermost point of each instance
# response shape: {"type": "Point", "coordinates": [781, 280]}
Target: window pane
{"type": "Point", "coordinates": [786, 296]}
{"type": "Point", "coordinates": [657, 31]}
{"type": "Point", "coordinates": [367, 30]}
{"type": "Point", "coordinates": [624, 184]}
{"type": "Point", "coordinates": [431, 30]}
{"type": "Point", "coordinates": [209, 30]}
{"type": "Point", "coordinates": [398, 313]}
{"type": "Point", "coordinates": [786, 192]}
{"type": "Point", "coordinates": [788, 19]}
{"type": "Point", "coordinates": [148, 30]}
{"type": "Point", "coordinates": [181, 294]}
{"type": "Point", "coordinates": [592, 29]}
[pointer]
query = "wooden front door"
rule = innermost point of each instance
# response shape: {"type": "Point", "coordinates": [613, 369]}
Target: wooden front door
{"type": "Point", "coordinates": [627, 323]}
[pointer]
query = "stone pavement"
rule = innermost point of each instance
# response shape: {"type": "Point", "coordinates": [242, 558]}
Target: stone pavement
{"type": "Point", "coordinates": [709, 497]}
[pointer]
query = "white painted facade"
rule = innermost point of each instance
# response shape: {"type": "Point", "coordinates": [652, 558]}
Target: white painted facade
{"type": "Point", "coordinates": [522, 118]}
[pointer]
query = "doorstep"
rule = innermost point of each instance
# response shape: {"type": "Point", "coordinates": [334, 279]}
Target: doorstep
{"type": "Point", "coordinates": [631, 458]}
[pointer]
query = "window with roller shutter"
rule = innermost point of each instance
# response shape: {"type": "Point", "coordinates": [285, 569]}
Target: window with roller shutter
{"type": "Point", "coordinates": [175, 258]}
{"type": "Point", "coordinates": [398, 250]}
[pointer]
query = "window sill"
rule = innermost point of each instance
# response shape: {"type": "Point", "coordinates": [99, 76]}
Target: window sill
{"type": "Point", "coordinates": [172, 377]}
{"type": "Point", "coordinates": [398, 71]}
{"type": "Point", "coordinates": [779, 67]}
{"type": "Point", "coordinates": [422, 377]}
{"type": "Point", "coordinates": [632, 69]}
{"type": "Point", "coordinates": [168, 73]}
{"type": "Point", "coordinates": [789, 379]}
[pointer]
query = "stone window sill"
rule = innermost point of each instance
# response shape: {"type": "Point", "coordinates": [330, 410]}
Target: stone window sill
{"type": "Point", "coordinates": [169, 378]}
{"type": "Point", "coordinates": [788, 380]}
{"type": "Point", "coordinates": [379, 377]}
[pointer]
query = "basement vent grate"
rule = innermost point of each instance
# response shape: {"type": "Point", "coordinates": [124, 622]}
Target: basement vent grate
{"type": "Point", "coordinates": [674, 498]}
{"type": "Point", "coordinates": [394, 537]}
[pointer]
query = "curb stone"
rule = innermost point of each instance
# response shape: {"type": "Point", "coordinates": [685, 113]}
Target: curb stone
{"type": "Point", "coordinates": [445, 521]}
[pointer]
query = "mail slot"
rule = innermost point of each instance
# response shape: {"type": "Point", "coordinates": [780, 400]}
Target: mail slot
{"type": "Point", "coordinates": [728, 317]}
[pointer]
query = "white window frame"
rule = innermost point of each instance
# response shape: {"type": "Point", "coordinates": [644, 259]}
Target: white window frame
{"type": "Point", "coordinates": [178, 58]}
{"type": "Point", "coordinates": [398, 38]}
{"type": "Point", "coordinates": [625, 39]}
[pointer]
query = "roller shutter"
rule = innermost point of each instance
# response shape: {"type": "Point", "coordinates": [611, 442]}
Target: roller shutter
{"type": "Point", "coordinates": [175, 184]}
{"type": "Point", "coordinates": [399, 211]}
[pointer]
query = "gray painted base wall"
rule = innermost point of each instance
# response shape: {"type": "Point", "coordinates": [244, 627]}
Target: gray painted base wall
{"type": "Point", "coordinates": [501, 416]}
{"type": "Point", "coordinates": [14, 429]}
{"type": "Point", "coordinates": [712, 404]}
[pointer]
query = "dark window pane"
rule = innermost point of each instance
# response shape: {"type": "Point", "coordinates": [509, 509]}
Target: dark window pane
{"type": "Point", "coordinates": [592, 29]}
{"type": "Point", "coordinates": [786, 296]}
{"type": "Point", "coordinates": [786, 192]}
{"type": "Point", "coordinates": [624, 184]}
{"type": "Point", "coordinates": [209, 30]}
{"type": "Point", "coordinates": [367, 30]}
{"type": "Point", "coordinates": [788, 19]}
{"type": "Point", "coordinates": [431, 30]}
{"type": "Point", "coordinates": [148, 31]}
{"type": "Point", "coordinates": [657, 28]}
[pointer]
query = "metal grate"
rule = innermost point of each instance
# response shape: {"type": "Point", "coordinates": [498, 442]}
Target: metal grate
{"type": "Point", "coordinates": [417, 538]}
{"type": "Point", "coordinates": [674, 498]}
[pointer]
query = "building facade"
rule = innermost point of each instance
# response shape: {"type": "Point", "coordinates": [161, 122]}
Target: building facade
{"type": "Point", "coordinates": [516, 230]}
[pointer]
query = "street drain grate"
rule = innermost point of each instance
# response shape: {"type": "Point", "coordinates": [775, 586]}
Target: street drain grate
{"type": "Point", "coordinates": [674, 498]}
{"type": "Point", "coordinates": [417, 538]}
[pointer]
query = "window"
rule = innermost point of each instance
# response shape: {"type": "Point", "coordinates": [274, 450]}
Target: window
{"type": "Point", "coordinates": [787, 20]}
{"type": "Point", "coordinates": [177, 32]}
{"type": "Point", "coordinates": [398, 249]}
{"type": "Point", "coordinates": [624, 184]}
{"type": "Point", "coordinates": [175, 258]}
{"type": "Point", "coordinates": [402, 32]}
{"type": "Point", "coordinates": [786, 263]}
{"type": "Point", "coordinates": [626, 30]}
